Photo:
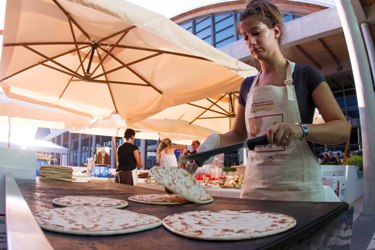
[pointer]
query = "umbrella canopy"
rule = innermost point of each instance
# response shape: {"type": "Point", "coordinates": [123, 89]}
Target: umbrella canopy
{"type": "Point", "coordinates": [147, 129]}
{"type": "Point", "coordinates": [14, 112]}
{"type": "Point", "coordinates": [215, 113]}
{"type": "Point", "coordinates": [16, 117]}
{"type": "Point", "coordinates": [98, 58]}
{"type": "Point", "coordinates": [191, 121]}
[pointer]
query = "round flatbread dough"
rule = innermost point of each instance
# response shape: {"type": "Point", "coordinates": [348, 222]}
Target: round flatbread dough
{"type": "Point", "coordinates": [228, 225]}
{"type": "Point", "coordinates": [181, 182]}
{"type": "Point", "coordinates": [91, 201]}
{"type": "Point", "coordinates": [94, 220]}
{"type": "Point", "coordinates": [159, 199]}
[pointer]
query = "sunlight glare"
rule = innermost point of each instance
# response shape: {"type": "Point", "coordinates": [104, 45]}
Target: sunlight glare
{"type": "Point", "coordinates": [19, 134]}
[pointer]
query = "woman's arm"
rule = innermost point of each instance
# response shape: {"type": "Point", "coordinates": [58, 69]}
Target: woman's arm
{"type": "Point", "coordinates": [238, 132]}
{"type": "Point", "coordinates": [137, 156]}
{"type": "Point", "coordinates": [158, 158]}
{"type": "Point", "coordinates": [178, 146]}
{"type": "Point", "coordinates": [335, 130]}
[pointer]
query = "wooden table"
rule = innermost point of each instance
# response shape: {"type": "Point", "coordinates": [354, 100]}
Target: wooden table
{"type": "Point", "coordinates": [312, 218]}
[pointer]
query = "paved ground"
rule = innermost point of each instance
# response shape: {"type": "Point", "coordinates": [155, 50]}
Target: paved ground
{"type": "Point", "coordinates": [363, 234]}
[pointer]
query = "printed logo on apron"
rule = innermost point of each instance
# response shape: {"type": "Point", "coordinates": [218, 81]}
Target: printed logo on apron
{"type": "Point", "coordinates": [255, 129]}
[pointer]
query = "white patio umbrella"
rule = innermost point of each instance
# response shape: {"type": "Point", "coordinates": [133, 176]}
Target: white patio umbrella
{"type": "Point", "coordinates": [191, 121]}
{"type": "Point", "coordinates": [16, 115]}
{"type": "Point", "coordinates": [147, 129]}
{"type": "Point", "coordinates": [99, 58]}
{"type": "Point", "coordinates": [215, 113]}
{"type": "Point", "coordinates": [26, 113]}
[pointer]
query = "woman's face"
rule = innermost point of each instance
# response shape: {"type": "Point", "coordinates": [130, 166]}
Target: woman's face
{"type": "Point", "coordinates": [261, 40]}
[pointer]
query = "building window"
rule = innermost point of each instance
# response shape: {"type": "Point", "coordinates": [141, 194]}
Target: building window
{"type": "Point", "coordinates": [203, 29]}
{"type": "Point", "coordinates": [224, 29]}
{"type": "Point", "coordinates": [220, 29]}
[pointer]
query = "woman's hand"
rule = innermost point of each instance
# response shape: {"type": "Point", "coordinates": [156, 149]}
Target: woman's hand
{"type": "Point", "coordinates": [282, 134]}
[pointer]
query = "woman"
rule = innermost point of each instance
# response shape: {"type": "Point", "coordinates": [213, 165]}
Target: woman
{"type": "Point", "coordinates": [128, 158]}
{"type": "Point", "coordinates": [280, 103]}
{"type": "Point", "coordinates": [166, 156]}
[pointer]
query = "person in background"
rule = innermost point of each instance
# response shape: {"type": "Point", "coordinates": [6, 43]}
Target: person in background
{"type": "Point", "coordinates": [166, 156]}
{"type": "Point", "coordinates": [194, 149]}
{"type": "Point", "coordinates": [279, 102]}
{"type": "Point", "coordinates": [331, 159]}
{"type": "Point", "coordinates": [338, 157]}
{"type": "Point", "coordinates": [129, 158]}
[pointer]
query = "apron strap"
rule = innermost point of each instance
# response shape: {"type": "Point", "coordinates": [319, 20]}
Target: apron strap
{"type": "Point", "coordinates": [289, 81]}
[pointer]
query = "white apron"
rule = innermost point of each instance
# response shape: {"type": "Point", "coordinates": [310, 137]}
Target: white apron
{"type": "Point", "coordinates": [278, 173]}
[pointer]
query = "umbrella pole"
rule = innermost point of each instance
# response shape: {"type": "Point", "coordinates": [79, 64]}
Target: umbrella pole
{"type": "Point", "coordinates": [9, 131]}
{"type": "Point", "coordinates": [345, 157]}
{"type": "Point", "coordinates": [114, 150]}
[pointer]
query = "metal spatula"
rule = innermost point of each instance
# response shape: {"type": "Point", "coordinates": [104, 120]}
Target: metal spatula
{"type": "Point", "coordinates": [200, 158]}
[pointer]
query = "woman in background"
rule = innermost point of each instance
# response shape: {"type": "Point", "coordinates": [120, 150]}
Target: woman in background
{"type": "Point", "coordinates": [128, 158]}
{"type": "Point", "coordinates": [166, 156]}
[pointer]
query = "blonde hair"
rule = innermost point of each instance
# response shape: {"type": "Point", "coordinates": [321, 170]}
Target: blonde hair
{"type": "Point", "coordinates": [163, 144]}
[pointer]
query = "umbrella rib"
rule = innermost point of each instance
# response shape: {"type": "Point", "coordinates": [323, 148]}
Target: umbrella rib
{"type": "Point", "coordinates": [118, 46]}
{"type": "Point", "coordinates": [118, 82]}
{"type": "Point", "coordinates": [122, 63]}
{"type": "Point", "coordinates": [215, 103]}
{"type": "Point", "coordinates": [231, 102]}
{"type": "Point", "coordinates": [70, 18]}
{"type": "Point", "coordinates": [57, 69]}
{"type": "Point", "coordinates": [109, 86]}
{"type": "Point", "coordinates": [62, 93]}
{"type": "Point", "coordinates": [51, 60]}
{"type": "Point", "coordinates": [45, 43]}
{"type": "Point", "coordinates": [76, 46]}
{"type": "Point", "coordinates": [212, 117]}
{"type": "Point", "coordinates": [206, 109]}
{"type": "Point", "coordinates": [39, 63]}
{"type": "Point", "coordinates": [125, 31]}
{"type": "Point", "coordinates": [18, 72]}
{"type": "Point", "coordinates": [163, 52]}
{"type": "Point", "coordinates": [107, 53]}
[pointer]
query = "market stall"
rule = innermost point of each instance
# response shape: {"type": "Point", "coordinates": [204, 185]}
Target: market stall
{"type": "Point", "coordinates": [318, 224]}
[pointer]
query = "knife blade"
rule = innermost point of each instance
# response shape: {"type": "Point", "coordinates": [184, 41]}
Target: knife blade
{"type": "Point", "coordinates": [200, 158]}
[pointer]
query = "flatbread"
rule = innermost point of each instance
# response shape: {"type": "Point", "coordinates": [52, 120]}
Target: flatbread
{"type": "Point", "coordinates": [228, 225]}
{"type": "Point", "coordinates": [159, 199]}
{"type": "Point", "coordinates": [56, 174]}
{"type": "Point", "coordinates": [91, 201]}
{"type": "Point", "coordinates": [57, 168]}
{"type": "Point", "coordinates": [57, 178]}
{"type": "Point", "coordinates": [181, 182]}
{"type": "Point", "coordinates": [94, 220]}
